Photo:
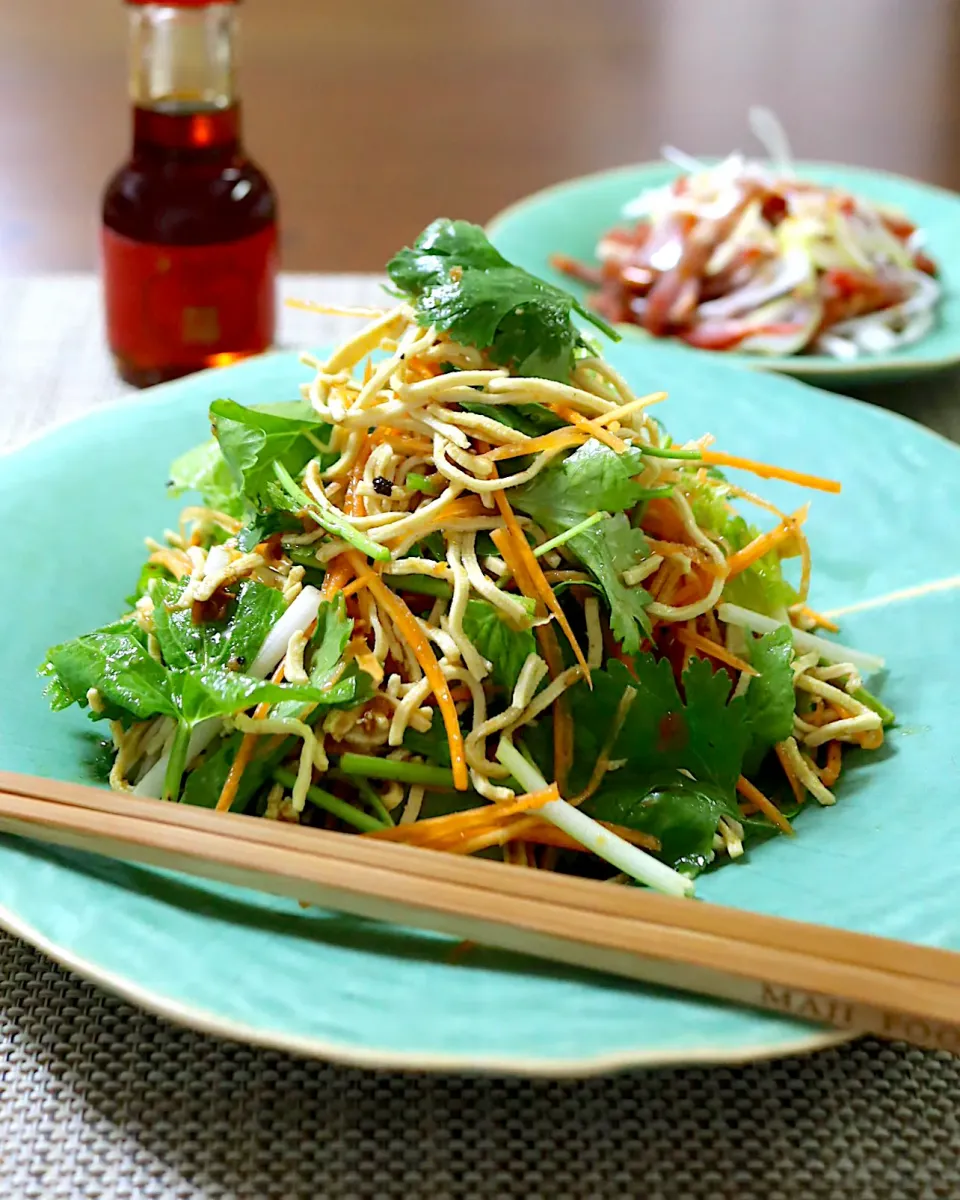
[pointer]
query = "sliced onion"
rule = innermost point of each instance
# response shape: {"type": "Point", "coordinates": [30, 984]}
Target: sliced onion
{"type": "Point", "coordinates": [680, 158]}
{"type": "Point", "coordinates": [203, 734]}
{"type": "Point", "coordinates": [773, 280]}
{"type": "Point", "coordinates": [835, 346]}
{"type": "Point", "coordinates": [297, 619]}
{"type": "Point", "coordinates": [772, 136]}
{"type": "Point", "coordinates": [923, 298]}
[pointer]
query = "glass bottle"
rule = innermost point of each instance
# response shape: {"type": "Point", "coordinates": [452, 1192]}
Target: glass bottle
{"type": "Point", "coordinates": [189, 236]}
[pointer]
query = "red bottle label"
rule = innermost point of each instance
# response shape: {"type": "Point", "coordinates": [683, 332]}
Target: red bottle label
{"type": "Point", "coordinates": [170, 306]}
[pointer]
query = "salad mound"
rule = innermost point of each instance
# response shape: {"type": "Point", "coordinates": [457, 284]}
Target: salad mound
{"type": "Point", "coordinates": [467, 594]}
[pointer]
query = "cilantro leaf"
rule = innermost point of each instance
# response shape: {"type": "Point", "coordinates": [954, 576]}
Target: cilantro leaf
{"type": "Point", "coordinates": [263, 525]}
{"type": "Point", "coordinates": [770, 698]}
{"type": "Point", "coordinates": [682, 813]}
{"type": "Point", "coordinates": [253, 439]}
{"type": "Point", "coordinates": [702, 733]}
{"type": "Point", "coordinates": [608, 549]}
{"type": "Point", "coordinates": [204, 469]}
{"type": "Point", "coordinates": [505, 648]}
{"type": "Point", "coordinates": [330, 638]}
{"type": "Point", "coordinates": [531, 419]}
{"type": "Point", "coordinates": [592, 479]}
{"type": "Point", "coordinates": [462, 285]}
{"type": "Point", "coordinates": [596, 479]}
{"type": "Point", "coordinates": [352, 686]}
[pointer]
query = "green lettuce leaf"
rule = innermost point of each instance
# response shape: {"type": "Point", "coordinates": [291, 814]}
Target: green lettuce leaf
{"type": "Point", "coordinates": [149, 572]}
{"type": "Point", "coordinates": [204, 692]}
{"type": "Point", "coordinates": [205, 780]}
{"type": "Point", "coordinates": [432, 745]}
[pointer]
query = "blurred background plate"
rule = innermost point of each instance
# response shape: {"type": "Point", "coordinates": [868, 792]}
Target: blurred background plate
{"type": "Point", "coordinates": [75, 505]}
{"type": "Point", "coordinates": [570, 217]}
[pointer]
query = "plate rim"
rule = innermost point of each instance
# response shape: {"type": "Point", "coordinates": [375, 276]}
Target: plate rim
{"type": "Point", "coordinates": [794, 365]}
{"type": "Point", "coordinates": [346, 1054]}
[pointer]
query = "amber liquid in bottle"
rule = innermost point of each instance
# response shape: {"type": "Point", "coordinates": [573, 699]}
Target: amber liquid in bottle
{"type": "Point", "coordinates": [189, 221]}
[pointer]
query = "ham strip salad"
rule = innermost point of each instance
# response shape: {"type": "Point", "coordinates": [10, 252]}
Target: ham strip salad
{"type": "Point", "coordinates": [745, 256]}
{"type": "Point", "coordinates": [468, 595]}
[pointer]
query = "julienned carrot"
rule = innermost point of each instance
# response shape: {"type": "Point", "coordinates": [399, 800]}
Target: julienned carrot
{"type": "Point", "coordinates": [799, 791]}
{"type": "Point", "coordinates": [557, 440]}
{"type": "Point", "coordinates": [831, 771]}
{"type": "Point", "coordinates": [462, 509]}
{"type": "Point", "coordinates": [174, 561]}
{"type": "Point", "coordinates": [752, 793]}
{"type": "Point", "coordinates": [535, 830]}
{"type": "Point", "coordinates": [451, 823]}
{"type": "Point", "coordinates": [760, 546]}
{"type": "Point", "coordinates": [624, 410]}
{"type": "Point", "coordinates": [336, 577]}
{"type": "Point", "coordinates": [661, 519]}
{"type": "Point", "coordinates": [696, 641]}
{"type": "Point", "coordinates": [550, 649]}
{"type": "Point", "coordinates": [417, 641]}
{"type": "Point", "coordinates": [535, 574]}
{"type": "Point", "coordinates": [595, 430]}
{"type": "Point", "coordinates": [718, 459]}
{"type": "Point", "coordinates": [228, 792]}
{"type": "Point", "coordinates": [818, 619]}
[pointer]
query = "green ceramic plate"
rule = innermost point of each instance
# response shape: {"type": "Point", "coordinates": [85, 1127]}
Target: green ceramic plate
{"type": "Point", "coordinates": [74, 507]}
{"type": "Point", "coordinates": [570, 217]}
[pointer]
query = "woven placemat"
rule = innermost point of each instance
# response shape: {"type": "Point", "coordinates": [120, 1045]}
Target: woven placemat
{"type": "Point", "coordinates": [100, 1100]}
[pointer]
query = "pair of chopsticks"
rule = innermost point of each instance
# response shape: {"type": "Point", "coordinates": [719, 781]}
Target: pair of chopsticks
{"type": "Point", "coordinates": [851, 981]}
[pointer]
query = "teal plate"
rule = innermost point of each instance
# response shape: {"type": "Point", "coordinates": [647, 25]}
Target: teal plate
{"type": "Point", "coordinates": [74, 507]}
{"type": "Point", "coordinates": [570, 217]}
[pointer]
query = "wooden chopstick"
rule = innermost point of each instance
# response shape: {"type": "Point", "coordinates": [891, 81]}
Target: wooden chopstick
{"type": "Point", "coordinates": [899, 957]}
{"type": "Point", "coordinates": [852, 981]}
